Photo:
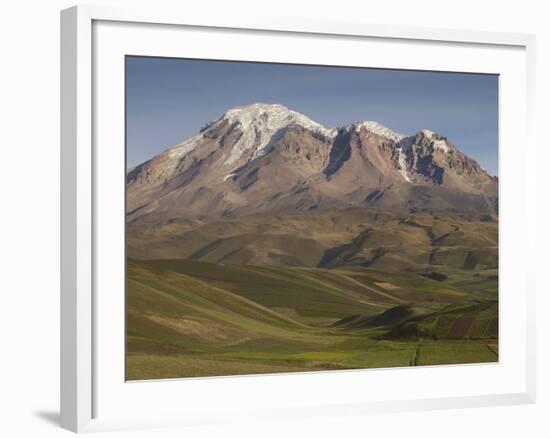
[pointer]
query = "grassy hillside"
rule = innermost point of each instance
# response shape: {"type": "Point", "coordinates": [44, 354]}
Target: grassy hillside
{"type": "Point", "coordinates": [478, 320]}
{"type": "Point", "coordinates": [352, 238]}
{"type": "Point", "coordinates": [195, 318]}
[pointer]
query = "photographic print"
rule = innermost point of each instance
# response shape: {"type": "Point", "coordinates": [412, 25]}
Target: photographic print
{"type": "Point", "coordinates": [290, 218]}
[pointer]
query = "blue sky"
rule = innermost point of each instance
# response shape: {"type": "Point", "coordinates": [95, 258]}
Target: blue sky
{"type": "Point", "coordinates": [168, 100]}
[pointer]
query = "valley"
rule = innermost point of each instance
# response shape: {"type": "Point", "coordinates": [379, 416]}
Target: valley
{"type": "Point", "coordinates": [305, 293]}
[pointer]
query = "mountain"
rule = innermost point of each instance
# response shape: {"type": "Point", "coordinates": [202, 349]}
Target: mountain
{"type": "Point", "coordinates": [267, 158]}
{"type": "Point", "coordinates": [269, 243]}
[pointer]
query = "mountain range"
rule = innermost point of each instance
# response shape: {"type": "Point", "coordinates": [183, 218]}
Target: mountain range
{"type": "Point", "coordinates": [266, 158]}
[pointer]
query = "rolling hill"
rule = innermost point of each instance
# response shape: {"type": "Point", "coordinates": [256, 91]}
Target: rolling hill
{"type": "Point", "coordinates": [187, 318]}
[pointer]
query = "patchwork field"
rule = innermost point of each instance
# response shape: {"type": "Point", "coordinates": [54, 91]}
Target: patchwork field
{"type": "Point", "coordinates": [190, 317]}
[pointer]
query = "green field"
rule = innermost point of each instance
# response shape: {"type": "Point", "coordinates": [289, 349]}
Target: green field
{"type": "Point", "coordinates": [190, 317]}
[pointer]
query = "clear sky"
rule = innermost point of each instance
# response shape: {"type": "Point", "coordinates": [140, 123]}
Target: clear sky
{"type": "Point", "coordinates": [168, 100]}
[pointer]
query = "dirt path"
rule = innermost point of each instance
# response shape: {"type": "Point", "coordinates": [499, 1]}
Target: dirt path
{"type": "Point", "coordinates": [364, 286]}
{"type": "Point", "coordinates": [493, 348]}
{"type": "Point", "coordinates": [416, 355]}
{"type": "Point", "coordinates": [370, 303]}
{"type": "Point", "coordinates": [338, 290]}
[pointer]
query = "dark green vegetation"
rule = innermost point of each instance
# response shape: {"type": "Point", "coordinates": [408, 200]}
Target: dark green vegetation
{"type": "Point", "coordinates": [367, 293]}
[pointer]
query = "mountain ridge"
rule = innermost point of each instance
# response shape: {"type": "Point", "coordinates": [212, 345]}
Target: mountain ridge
{"type": "Point", "coordinates": [265, 157]}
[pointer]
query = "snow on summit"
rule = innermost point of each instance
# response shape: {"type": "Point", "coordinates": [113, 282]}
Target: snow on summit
{"type": "Point", "coordinates": [259, 122]}
{"type": "Point", "coordinates": [378, 129]}
{"type": "Point", "coordinates": [437, 143]}
{"type": "Point", "coordinates": [272, 116]}
{"type": "Point", "coordinates": [227, 147]}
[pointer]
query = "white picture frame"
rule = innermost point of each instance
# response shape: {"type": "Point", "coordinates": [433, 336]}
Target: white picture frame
{"type": "Point", "coordinates": [92, 42]}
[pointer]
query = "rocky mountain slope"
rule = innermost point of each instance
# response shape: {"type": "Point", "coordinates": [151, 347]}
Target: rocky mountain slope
{"type": "Point", "coordinates": [263, 158]}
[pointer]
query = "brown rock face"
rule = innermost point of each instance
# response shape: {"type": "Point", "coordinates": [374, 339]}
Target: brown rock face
{"type": "Point", "coordinates": [433, 160]}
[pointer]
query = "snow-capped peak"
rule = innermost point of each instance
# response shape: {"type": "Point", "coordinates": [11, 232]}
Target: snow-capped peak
{"type": "Point", "coordinates": [378, 129]}
{"type": "Point", "coordinates": [435, 140]}
{"type": "Point", "coordinates": [259, 122]}
{"type": "Point", "coordinates": [270, 116]}
{"type": "Point", "coordinates": [427, 133]}
{"type": "Point", "coordinates": [180, 150]}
